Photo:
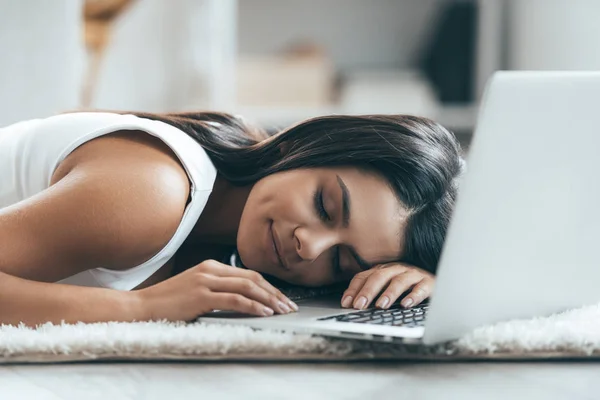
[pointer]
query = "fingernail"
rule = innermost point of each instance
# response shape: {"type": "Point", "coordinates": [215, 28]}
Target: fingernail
{"type": "Point", "coordinates": [383, 301]}
{"type": "Point", "coordinates": [283, 307]}
{"type": "Point", "coordinates": [407, 302]}
{"type": "Point", "coordinates": [346, 301]}
{"type": "Point", "coordinates": [293, 305]}
{"type": "Point", "coordinates": [361, 302]}
{"type": "Point", "coordinates": [267, 311]}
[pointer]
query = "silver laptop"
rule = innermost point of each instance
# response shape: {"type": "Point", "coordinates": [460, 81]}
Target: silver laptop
{"type": "Point", "coordinates": [525, 233]}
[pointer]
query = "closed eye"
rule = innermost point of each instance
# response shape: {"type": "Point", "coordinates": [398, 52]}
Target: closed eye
{"type": "Point", "coordinates": [320, 206]}
{"type": "Point", "coordinates": [325, 217]}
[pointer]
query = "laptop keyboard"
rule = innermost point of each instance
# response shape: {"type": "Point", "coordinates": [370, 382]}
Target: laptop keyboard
{"type": "Point", "coordinates": [396, 315]}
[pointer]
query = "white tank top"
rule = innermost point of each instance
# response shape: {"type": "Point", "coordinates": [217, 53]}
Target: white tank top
{"type": "Point", "coordinates": [30, 152]}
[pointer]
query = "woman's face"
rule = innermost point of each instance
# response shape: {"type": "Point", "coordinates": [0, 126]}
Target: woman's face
{"type": "Point", "coordinates": [320, 226]}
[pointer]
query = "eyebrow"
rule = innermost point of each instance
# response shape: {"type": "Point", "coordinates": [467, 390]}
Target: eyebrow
{"type": "Point", "coordinates": [364, 265]}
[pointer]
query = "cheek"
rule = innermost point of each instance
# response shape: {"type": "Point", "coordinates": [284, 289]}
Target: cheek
{"type": "Point", "coordinates": [251, 223]}
{"type": "Point", "coordinates": [253, 216]}
{"type": "Point", "coordinates": [261, 207]}
{"type": "Point", "coordinates": [262, 199]}
{"type": "Point", "coordinates": [281, 199]}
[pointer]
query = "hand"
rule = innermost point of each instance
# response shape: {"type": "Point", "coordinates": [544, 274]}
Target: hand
{"type": "Point", "coordinates": [397, 277]}
{"type": "Point", "coordinates": [211, 286]}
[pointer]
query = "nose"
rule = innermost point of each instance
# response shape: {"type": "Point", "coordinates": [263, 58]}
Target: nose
{"type": "Point", "coordinates": [310, 244]}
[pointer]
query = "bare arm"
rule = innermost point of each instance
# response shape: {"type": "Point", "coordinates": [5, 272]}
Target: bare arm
{"type": "Point", "coordinates": [33, 303]}
{"type": "Point", "coordinates": [100, 214]}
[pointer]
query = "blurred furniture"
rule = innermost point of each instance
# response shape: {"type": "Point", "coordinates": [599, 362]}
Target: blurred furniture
{"type": "Point", "coordinates": [384, 38]}
{"type": "Point", "coordinates": [242, 56]}
{"type": "Point", "coordinates": [235, 55]}
{"type": "Point", "coordinates": [302, 76]}
{"type": "Point", "coordinates": [375, 48]}
{"type": "Point", "coordinates": [169, 56]}
{"type": "Point", "coordinates": [98, 18]}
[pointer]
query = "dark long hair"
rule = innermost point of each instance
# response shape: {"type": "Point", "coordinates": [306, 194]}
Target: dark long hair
{"type": "Point", "coordinates": [420, 159]}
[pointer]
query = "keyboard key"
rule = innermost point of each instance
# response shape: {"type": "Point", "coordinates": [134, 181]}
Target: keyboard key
{"type": "Point", "coordinates": [361, 320]}
{"type": "Point", "coordinates": [394, 316]}
{"type": "Point", "coordinates": [351, 316]}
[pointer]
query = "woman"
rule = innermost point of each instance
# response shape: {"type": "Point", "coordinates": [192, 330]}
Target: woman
{"type": "Point", "coordinates": [121, 217]}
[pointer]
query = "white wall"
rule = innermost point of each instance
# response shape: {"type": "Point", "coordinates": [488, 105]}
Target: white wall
{"type": "Point", "coordinates": [42, 52]}
{"type": "Point", "coordinates": [554, 34]}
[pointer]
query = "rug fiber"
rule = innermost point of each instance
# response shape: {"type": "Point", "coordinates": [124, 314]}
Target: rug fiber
{"type": "Point", "coordinates": [573, 334]}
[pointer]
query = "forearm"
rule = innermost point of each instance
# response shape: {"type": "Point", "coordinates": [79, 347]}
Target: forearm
{"type": "Point", "coordinates": [35, 302]}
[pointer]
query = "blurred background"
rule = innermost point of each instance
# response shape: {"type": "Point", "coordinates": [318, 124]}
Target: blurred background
{"type": "Point", "coordinates": [277, 62]}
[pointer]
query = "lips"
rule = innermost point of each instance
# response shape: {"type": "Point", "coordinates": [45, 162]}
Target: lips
{"type": "Point", "coordinates": [277, 249]}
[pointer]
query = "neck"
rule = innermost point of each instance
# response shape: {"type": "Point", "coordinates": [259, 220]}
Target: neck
{"type": "Point", "coordinates": [220, 219]}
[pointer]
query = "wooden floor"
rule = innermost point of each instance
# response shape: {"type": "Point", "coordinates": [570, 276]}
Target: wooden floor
{"type": "Point", "coordinates": [364, 381]}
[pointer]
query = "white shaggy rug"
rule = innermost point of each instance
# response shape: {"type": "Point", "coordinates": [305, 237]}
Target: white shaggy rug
{"type": "Point", "coordinates": [573, 334]}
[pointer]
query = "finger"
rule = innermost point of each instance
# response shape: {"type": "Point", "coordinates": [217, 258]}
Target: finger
{"type": "Point", "coordinates": [249, 289]}
{"type": "Point", "coordinates": [373, 285]}
{"type": "Point", "coordinates": [420, 292]}
{"type": "Point", "coordinates": [354, 287]}
{"type": "Point", "coordinates": [398, 285]}
{"type": "Point", "coordinates": [239, 303]}
{"type": "Point", "coordinates": [350, 296]}
{"type": "Point", "coordinates": [219, 269]}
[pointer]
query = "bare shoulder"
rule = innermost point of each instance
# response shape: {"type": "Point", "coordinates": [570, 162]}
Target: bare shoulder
{"type": "Point", "coordinates": [125, 149]}
{"type": "Point", "coordinates": [113, 203]}
{"type": "Point", "coordinates": [139, 182]}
